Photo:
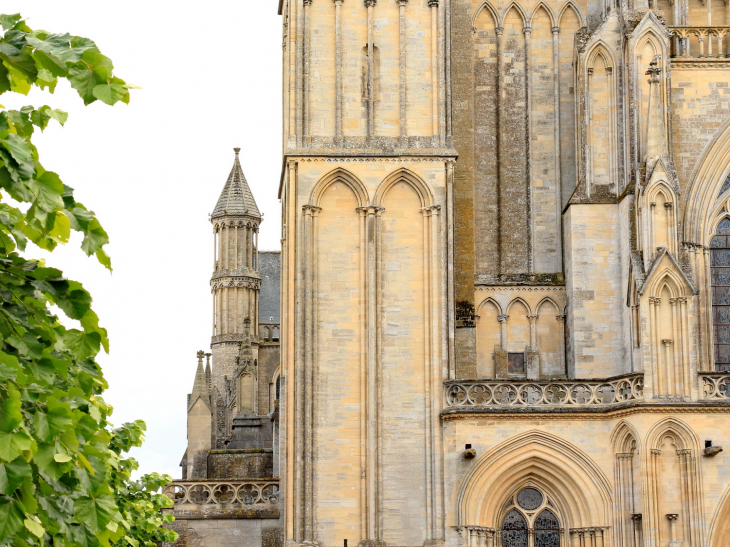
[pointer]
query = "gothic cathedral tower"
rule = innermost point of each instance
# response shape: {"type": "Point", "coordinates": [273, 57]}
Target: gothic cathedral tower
{"type": "Point", "coordinates": [225, 396]}
{"type": "Point", "coordinates": [366, 196]}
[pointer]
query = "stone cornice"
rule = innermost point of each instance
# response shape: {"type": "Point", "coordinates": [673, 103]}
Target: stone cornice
{"type": "Point", "coordinates": [596, 413]}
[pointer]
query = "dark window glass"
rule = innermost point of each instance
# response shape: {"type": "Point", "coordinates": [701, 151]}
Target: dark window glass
{"type": "Point", "coordinates": [529, 499]}
{"type": "Point", "coordinates": [720, 276]}
{"type": "Point", "coordinates": [547, 530]}
{"type": "Point", "coordinates": [515, 363]}
{"type": "Point", "coordinates": [514, 530]}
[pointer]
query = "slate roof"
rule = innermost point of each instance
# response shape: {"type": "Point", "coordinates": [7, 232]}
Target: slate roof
{"type": "Point", "coordinates": [269, 268]}
{"type": "Point", "coordinates": [236, 198]}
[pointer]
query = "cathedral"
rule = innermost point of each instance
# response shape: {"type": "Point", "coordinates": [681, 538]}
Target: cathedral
{"type": "Point", "coordinates": [500, 316]}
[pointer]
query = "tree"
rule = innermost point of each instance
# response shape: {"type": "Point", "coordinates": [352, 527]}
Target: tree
{"type": "Point", "coordinates": [65, 478]}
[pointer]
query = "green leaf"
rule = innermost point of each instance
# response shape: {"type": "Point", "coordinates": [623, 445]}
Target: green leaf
{"type": "Point", "coordinates": [12, 475]}
{"type": "Point", "coordinates": [83, 344]}
{"type": "Point", "coordinates": [11, 517]}
{"type": "Point", "coordinates": [83, 81]}
{"type": "Point", "coordinates": [10, 416]}
{"type": "Point", "coordinates": [34, 527]}
{"type": "Point", "coordinates": [13, 445]}
{"type": "Point", "coordinates": [110, 93]}
{"type": "Point", "coordinates": [9, 21]}
{"type": "Point", "coordinates": [62, 458]}
{"type": "Point", "coordinates": [19, 149]}
{"type": "Point", "coordinates": [95, 512]}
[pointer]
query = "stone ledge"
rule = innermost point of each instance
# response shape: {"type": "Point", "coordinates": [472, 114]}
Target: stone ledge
{"type": "Point", "coordinates": [194, 514]}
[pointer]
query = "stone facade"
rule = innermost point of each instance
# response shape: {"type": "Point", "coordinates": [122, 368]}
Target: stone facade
{"type": "Point", "coordinates": [505, 283]}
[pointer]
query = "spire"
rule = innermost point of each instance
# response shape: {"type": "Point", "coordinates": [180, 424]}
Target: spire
{"type": "Point", "coordinates": [236, 197]}
{"type": "Point", "coordinates": [200, 387]}
{"type": "Point", "coordinates": [656, 134]}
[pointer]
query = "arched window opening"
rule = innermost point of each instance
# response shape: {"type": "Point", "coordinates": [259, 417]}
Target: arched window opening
{"type": "Point", "coordinates": [547, 529]}
{"type": "Point", "coordinates": [720, 275]}
{"type": "Point", "coordinates": [531, 521]}
{"type": "Point", "coordinates": [514, 530]}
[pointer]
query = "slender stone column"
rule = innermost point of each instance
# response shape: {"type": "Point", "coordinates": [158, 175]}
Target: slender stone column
{"type": "Point", "coordinates": [305, 73]}
{"type": "Point", "coordinates": [402, 69]}
{"type": "Point", "coordinates": [434, 5]}
{"type": "Point", "coordinates": [556, 136]}
{"type": "Point", "coordinates": [338, 70]}
{"type": "Point", "coordinates": [370, 5]}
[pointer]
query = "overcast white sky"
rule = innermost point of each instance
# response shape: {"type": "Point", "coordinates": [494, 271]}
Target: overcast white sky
{"type": "Point", "coordinates": [152, 171]}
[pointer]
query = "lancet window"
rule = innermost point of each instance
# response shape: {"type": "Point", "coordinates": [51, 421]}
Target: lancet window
{"type": "Point", "coordinates": [720, 275]}
{"type": "Point", "coordinates": [530, 521]}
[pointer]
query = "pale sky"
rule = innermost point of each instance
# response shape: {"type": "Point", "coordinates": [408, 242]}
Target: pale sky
{"type": "Point", "coordinates": [152, 171]}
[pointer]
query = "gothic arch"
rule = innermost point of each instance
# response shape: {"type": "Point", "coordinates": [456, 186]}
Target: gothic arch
{"type": "Point", "coordinates": [521, 301]}
{"type": "Point", "coordinates": [518, 9]}
{"type": "Point", "coordinates": [625, 438]}
{"type": "Point", "coordinates": [600, 48]}
{"type": "Point", "coordinates": [719, 529]}
{"type": "Point", "coordinates": [576, 483]}
{"type": "Point", "coordinates": [344, 176]}
{"type": "Point", "coordinates": [489, 300]}
{"type": "Point", "coordinates": [485, 6]}
{"type": "Point", "coordinates": [576, 9]}
{"type": "Point", "coordinates": [547, 9]}
{"type": "Point", "coordinates": [710, 172]}
{"type": "Point", "coordinates": [683, 433]}
{"type": "Point", "coordinates": [670, 279]}
{"type": "Point", "coordinates": [547, 301]}
{"type": "Point", "coordinates": [404, 175]}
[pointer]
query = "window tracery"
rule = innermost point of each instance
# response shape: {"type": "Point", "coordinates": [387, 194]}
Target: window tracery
{"type": "Point", "coordinates": [720, 276]}
{"type": "Point", "coordinates": [531, 521]}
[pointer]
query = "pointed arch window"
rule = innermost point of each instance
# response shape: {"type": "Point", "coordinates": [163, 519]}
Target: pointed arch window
{"type": "Point", "coordinates": [720, 275]}
{"type": "Point", "coordinates": [530, 521]}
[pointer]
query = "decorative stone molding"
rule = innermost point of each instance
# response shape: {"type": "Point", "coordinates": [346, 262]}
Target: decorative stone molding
{"type": "Point", "coordinates": [715, 385]}
{"type": "Point", "coordinates": [471, 393]}
{"type": "Point", "coordinates": [223, 493]}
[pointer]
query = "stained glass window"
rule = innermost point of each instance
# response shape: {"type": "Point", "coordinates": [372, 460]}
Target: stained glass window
{"type": "Point", "coordinates": [720, 275]}
{"type": "Point", "coordinates": [547, 530]}
{"type": "Point", "coordinates": [514, 530]}
{"type": "Point", "coordinates": [529, 499]}
{"type": "Point", "coordinates": [517, 526]}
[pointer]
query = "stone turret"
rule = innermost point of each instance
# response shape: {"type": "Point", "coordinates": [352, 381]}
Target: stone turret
{"type": "Point", "coordinates": [200, 417]}
{"type": "Point", "coordinates": [235, 286]}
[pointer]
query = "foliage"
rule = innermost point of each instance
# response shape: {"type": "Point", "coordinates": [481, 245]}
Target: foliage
{"type": "Point", "coordinates": [64, 476]}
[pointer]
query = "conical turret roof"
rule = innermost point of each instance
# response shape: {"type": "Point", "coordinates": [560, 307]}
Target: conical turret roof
{"type": "Point", "coordinates": [236, 197]}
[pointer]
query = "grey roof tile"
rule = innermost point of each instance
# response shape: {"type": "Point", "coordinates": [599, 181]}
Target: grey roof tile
{"type": "Point", "coordinates": [236, 198]}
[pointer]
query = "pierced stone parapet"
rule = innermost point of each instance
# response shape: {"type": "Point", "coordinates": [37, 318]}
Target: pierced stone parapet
{"type": "Point", "coordinates": [231, 494]}
{"type": "Point", "coordinates": [495, 393]}
{"type": "Point", "coordinates": [715, 385]}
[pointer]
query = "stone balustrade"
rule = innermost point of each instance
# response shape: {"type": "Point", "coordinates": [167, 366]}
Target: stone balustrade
{"type": "Point", "coordinates": [239, 494]}
{"type": "Point", "coordinates": [715, 385]}
{"type": "Point", "coordinates": [701, 42]}
{"type": "Point", "coordinates": [501, 393]}
{"type": "Point", "coordinates": [269, 332]}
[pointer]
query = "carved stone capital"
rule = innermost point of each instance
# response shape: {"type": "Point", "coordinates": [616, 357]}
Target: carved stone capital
{"type": "Point", "coordinates": [655, 300]}
{"type": "Point", "coordinates": [672, 516]}
{"type": "Point", "coordinates": [370, 210]}
{"type": "Point", "coordinates": [370, 3]}
{"type": "Point", "coordinates": [532, 318]}
{"type": "Point", "coordinates": [502, 318]}
{"type": "Point", "coordinates": [311, 210]}
{"type": "Point", "coordinates": [609, 70]}
{"type": "Point", "coordinates": [667, 342]}
{"type": "Point", "coordinates": [498, 31]}
{"type": "Point", "coordinates": [560, 318]}
{"type": "Point", "coordinates": [433, 3]}
{"type": "Point", "coordinates": [656, 452]}
{"type": "Point", "coordinates": [307, 2]}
